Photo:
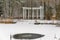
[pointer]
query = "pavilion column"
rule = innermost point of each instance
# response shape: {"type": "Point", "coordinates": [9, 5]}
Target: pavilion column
{"type": "Point", "coordinates": [23, 13]}
{"type": "Point", "coordinates": [37, 13]}
{"type": "Point", "coordinates": [33, 14]}
{"type": "Point", "coordinates": [41, 13]}
{"type": "Point", "coordinates": [28, 13]}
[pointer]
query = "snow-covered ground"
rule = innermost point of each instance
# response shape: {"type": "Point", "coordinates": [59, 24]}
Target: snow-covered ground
{"type": "Point", "coordinates": [50, 31]}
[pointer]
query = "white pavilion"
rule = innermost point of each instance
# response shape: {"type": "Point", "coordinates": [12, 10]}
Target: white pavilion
{"type": "Point", "coordinates": [39, 14]}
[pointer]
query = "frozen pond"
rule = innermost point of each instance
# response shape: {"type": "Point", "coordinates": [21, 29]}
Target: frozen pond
{"type": "Point", "coordinates": [50, 31]}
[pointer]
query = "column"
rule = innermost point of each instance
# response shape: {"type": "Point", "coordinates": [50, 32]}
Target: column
{"type": "Point", "coordinates": [23, 12]}
{"type": "Point", "coordinates": [32, 13]}
{"type": "Point", "coordinates": [41, 13]}
{"type": "Point", "coordinates": [28, 13]}
{"type": "Point", "coordinates": [37, 13]}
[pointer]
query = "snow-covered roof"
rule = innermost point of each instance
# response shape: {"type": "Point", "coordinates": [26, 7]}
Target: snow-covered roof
{"type": "Point", "coordinates": [33, 7]}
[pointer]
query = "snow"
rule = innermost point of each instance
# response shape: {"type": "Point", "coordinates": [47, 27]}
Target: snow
{"type": "Point", "coordinates": [23, 27]}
